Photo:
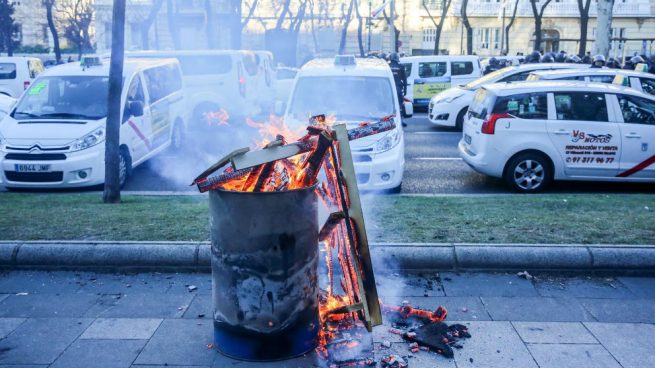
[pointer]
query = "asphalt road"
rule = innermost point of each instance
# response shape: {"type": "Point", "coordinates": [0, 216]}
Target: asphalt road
{"type": "Point", "coordinates": [432, 165]}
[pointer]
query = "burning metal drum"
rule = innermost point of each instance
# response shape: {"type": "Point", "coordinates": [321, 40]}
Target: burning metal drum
{"type": "Point", "coordinates": [265, 273]}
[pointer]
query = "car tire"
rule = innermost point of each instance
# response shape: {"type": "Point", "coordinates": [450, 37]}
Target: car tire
{"type": "Point", "coordinates": [124, 166]}
{"type": "Point", "coordinates": [459, 122]}
{"type": "Point", "coordinates": [177, 137]}
{"type": "Point", "coordinates": [528, 172]}
{"type": "Point", "coordinates": [395, 190]}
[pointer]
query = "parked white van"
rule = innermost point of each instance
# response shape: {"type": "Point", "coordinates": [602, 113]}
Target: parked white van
{"type": "Point", "coordinates": [354, 91]}
{"type": "Point", "coordinates": [429, 75]}
{"type": "Point", "coordinates": [239, 82]}
{"type": "Point", "coordinates": [17, 73]}
{"type": "Point", "coordinates": [6, 103]}
{"type": "Point", "coordinates": [55, 135]}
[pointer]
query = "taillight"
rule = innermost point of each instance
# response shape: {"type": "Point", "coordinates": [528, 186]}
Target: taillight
{"type": "Point", "coordinates": [489, 125]}
{"type": "Point", "coordinates": [26, 84]}
{"type": "Point", "coordinates": [242, 84]}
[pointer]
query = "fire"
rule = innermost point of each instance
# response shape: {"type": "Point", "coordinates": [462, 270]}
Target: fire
{"type": "Point", "coordinates": [273, 128]}
{"type": "Point", "coordinates": [218, 118]}
{"type": "Point", "coordinates": [315, 160]}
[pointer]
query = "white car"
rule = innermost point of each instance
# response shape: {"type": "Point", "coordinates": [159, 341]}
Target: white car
{"type": "Point", "coordinates": [54, 137]}
{"type": "Point", "coordinates": [643, 82]}
{"type": "Point", "coordinates": [284, 82]}
{"type": "Point", "coordinates": [449, 107]}
{"type": "Point", "coordinates": [17, 73]}
{"type": "Point", "coordinates": [531, 133]}
{"type": "Point", "coordinates": [353, 91]}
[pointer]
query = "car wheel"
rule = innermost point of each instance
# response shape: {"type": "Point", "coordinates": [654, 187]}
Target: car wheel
{"type": "Point", "coordinates": [528, 173]}
{"type": "Point", "coordinates": [459, 123]}
{"type": "Point", "coordinates": [177, 137]}
{"type": "Point", "coordinates": [395, 190]}
{"type": "Point", "coordinates": [124, 167]}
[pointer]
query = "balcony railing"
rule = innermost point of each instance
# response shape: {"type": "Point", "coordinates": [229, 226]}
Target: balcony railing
{"type": "Point", "coordinates": [565, 8]}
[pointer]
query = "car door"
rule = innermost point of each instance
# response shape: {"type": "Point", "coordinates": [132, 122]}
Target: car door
{"type": "Point", "coordinates": [160, 82]}
{"type": "Point", "coordinates": [461, 72]}
{"type": "Point", "coordinates": [638, 137]}
{"type": "Point", "coordinates": [137, 128]}
{"type": "Point", "coordinates": [432, 78]}
{"type": "Point", "coordinates": [585, 133]}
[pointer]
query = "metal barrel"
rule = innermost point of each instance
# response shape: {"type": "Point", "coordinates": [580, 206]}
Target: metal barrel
{"type": "Point", "coordinates": [264, 273]}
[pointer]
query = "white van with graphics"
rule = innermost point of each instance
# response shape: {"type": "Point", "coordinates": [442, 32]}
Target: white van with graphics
{"type": "Point", "coordinates": [239, 82]}
{"type": "Point", "coordinates": [17, 73]}
{"type": "Point", "coordinates": [429, 75]}
{"type": "Point", "coordinates": [54, 137]}
{"type": "Point", "coordinates": [354, 91]}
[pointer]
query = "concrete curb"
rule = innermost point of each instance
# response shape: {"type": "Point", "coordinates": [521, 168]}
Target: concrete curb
{"type": "Point", "coordinates": [195, 256]}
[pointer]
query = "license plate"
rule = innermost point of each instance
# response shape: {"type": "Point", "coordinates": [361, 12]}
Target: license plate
{"type": "Point", "coordinates": [467, 139]}
{"type": "Point", "coordinates": [32, 168]}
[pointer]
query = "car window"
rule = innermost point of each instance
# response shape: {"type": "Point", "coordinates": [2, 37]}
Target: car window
{"type": "Point", "coordinates": [601, 78]}
{"type": "Point", "coordinates": [524, 106]}
{"type": "Point", "coordinates": [648, 85]}
{"type": "Point", "coordinates": [461, 67]}
{"type": "Point", "coordinates": [408, 69]}
{"type": "Point", "coordinates": [134, 93]}
{"type": "Point", "coordinates": [162, 81]}
{"type": "Point", "coordinates": [637, 110]}
{"type": "Point", "coordinates": [482, 101]}
{"type": "Point", "coordinates": [250, 63]}
{"type": "Point", "coordinates": [516, 77]}
{"type": "Point", "coordinates": [205, 64]}
{"type": "Point", "coordinates": [35, 68]}
{"type": "Point", "coordinates": [431, 69]}
{"type": "Point", "coordinates": [7, 71]}
{"type": "Point", "coordinates": [586, 106]}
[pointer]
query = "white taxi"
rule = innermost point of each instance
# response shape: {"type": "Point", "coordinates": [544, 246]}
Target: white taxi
{"type": "Point", "coordinates": [643, 82]}
{"type": "Point", "coordinates": [354, 91]}
{"type": "Point", "coordinates": [54, 137]}
{"type": "Point", "coordinates": [531, 133]}
{"type": "Point", "coordinates": [449, 107]}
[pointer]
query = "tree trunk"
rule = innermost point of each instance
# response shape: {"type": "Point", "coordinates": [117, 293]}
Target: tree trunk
{"type": "Point", "coordinates": [147, 23]}
{"type": "Point", "coordinates": [53, 30]}
{"type": "Point", "coordinates": [112, 192]}
{"type": "Point", "coordinates": [603, 27]}
{"type": "Point", "coordinates": [344, 32]}
{"type": "Point", "coordinates": [510, 24]}
{"type": "Point", "coordinates": [469, 29]}
{"type": "Point", "coordinates": [172, 25]}
{"type": "Point", "coordinates": [537, 34]}
{"type": "Point", "coordinates": [584, 24]}
{"type": "Point", "coordinates": [360, 27]}
{"type": "Point", "coordinates": [211, 34]}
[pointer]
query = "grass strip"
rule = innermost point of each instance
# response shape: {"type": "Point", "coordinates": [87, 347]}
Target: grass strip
{"type": "Point", "coordinates": [552, 218]}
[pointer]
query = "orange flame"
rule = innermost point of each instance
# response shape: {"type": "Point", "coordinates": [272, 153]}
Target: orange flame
{"type": "Point", "coordinates": [217, 118]}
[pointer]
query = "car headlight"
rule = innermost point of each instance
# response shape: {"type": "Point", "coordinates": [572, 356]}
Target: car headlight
{"type": "Point", "coordinates": [388, 142]}
{"type": "Point", "coordinates": [89, 140]}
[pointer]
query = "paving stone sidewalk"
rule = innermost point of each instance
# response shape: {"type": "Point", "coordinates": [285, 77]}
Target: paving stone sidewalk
{"type": "Point", "coordinates": [81, 319]}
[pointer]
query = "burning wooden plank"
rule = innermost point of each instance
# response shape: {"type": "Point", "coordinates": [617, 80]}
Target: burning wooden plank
{"type": "Point", "coordinates": [222, 162]}
{"type": "Point", "coordinates": [260, 157]}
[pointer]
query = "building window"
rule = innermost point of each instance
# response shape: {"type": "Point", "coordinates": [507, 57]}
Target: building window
{"type": "Point", "coordinates": [488, 38]}
{"type": "Point", "coordinates": [429, 35]}
{"type": "Point", "coordinates": [46, 33]}
{"type": "Point", "coordinates": [496, 38]}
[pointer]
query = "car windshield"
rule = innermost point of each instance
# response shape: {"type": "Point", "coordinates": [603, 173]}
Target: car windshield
{"type": "Point", "coordinates": [74, 97]}
{"type": "Point", "coordinates": [489, 78]}
{"type": "Point", "coordinates": [348, 98]}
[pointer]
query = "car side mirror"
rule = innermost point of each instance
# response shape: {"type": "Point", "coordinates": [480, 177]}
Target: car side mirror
{"type": "Point", "coordinates": [136, 108]}
{"type": "Point", "coordinates": [280, 106]}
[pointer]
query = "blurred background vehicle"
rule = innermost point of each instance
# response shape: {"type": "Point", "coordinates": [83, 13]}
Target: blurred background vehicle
{"type": "Point", "coordinates": [17, 73]}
